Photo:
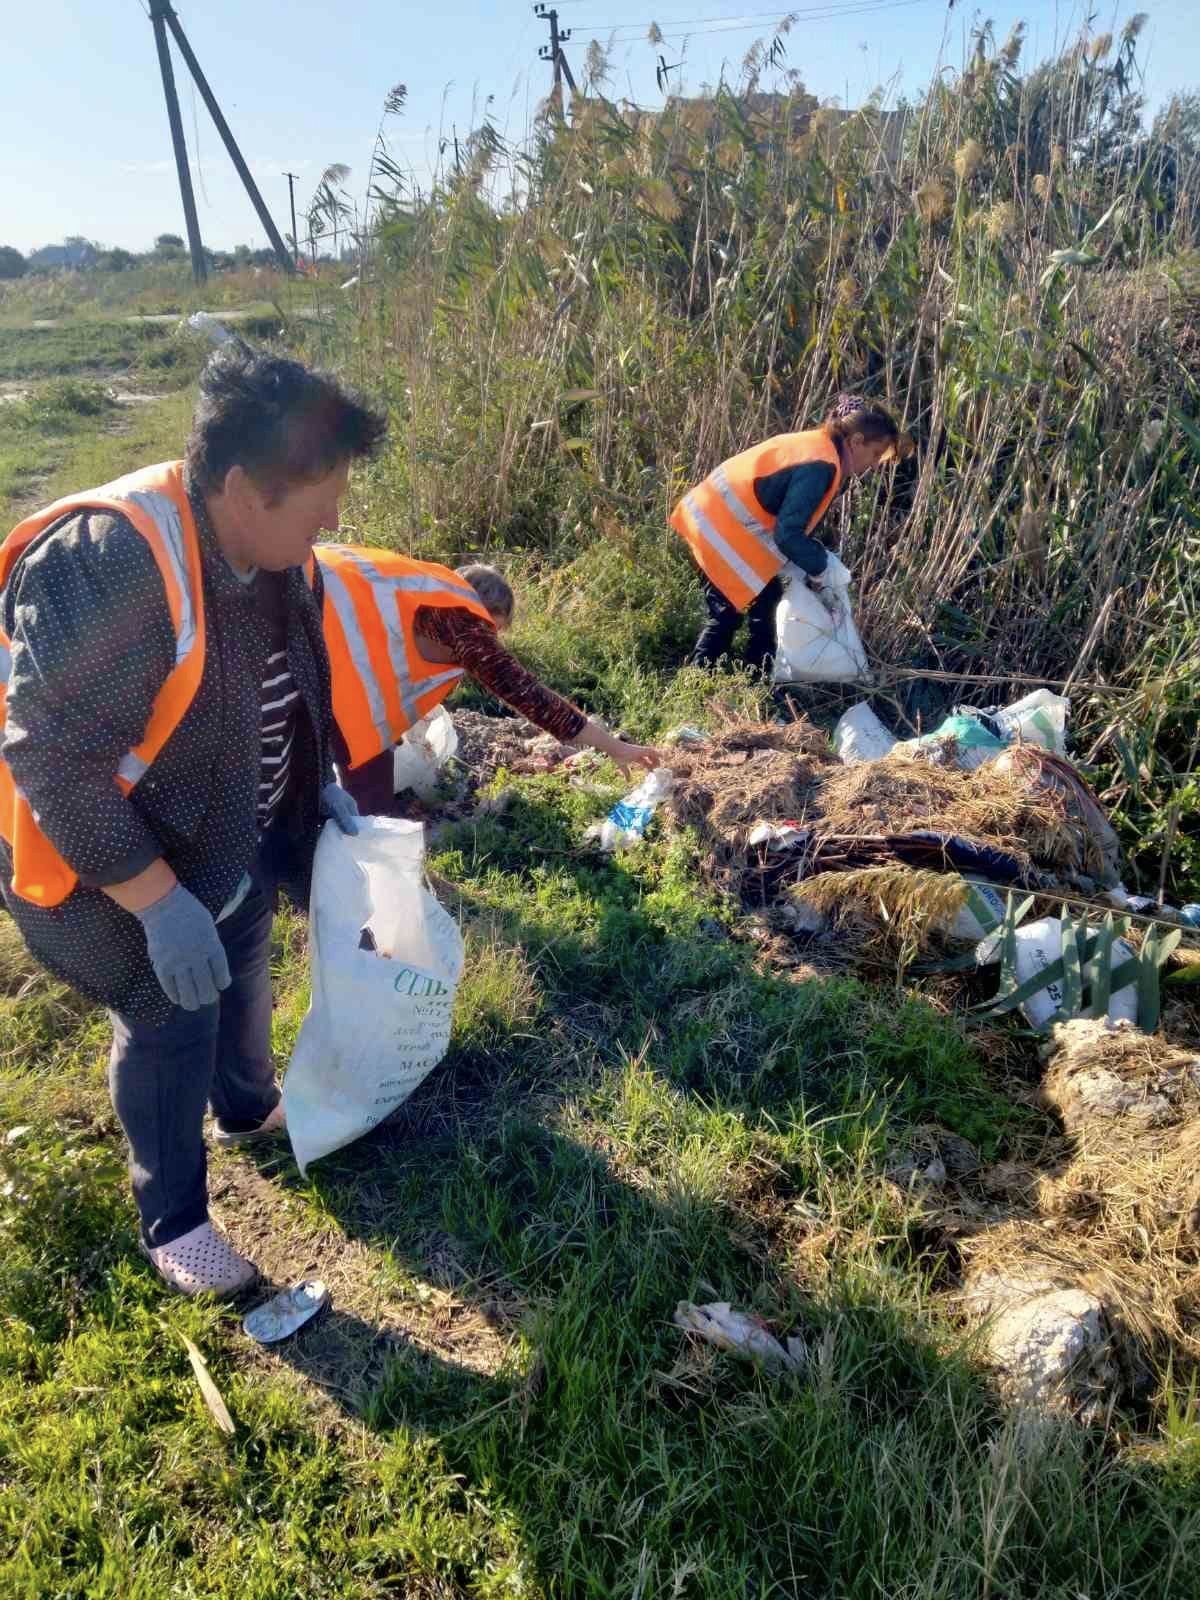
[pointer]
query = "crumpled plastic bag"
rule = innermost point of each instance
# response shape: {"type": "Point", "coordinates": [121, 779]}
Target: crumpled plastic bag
{"type": "Point", "coordinates": [626, 823]}
{"type": "Point", "coordinates": [419, 758]}
{"type": "Point", "coordinates": [860, 736]}
{"type": "Point", "coordinates": [718, 1324]}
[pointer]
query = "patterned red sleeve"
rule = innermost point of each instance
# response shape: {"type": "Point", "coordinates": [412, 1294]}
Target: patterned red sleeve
{"type": "Point", "coordinates": [477, 649]}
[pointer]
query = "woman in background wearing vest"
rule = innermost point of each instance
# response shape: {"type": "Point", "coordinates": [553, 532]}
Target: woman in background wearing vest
{"type": "Point", "coordinates": [759, 510]}
{"type": "Point", "coordinates": [402, 634]}
{"type": "Point", "coordinates": [165, 762]}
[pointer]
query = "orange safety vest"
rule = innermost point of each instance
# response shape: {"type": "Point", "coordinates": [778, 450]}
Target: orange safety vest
{"type": "Point", "coordinates": [382, 684]}
{"type": "Point", "coordinates": [155, 502]}
{"type": "Point", "coordinates": [727, 530]}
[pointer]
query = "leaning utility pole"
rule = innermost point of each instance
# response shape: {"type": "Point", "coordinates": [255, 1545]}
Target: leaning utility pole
{"type": "Point", "coordinates": [553, 53]}
{"type": "Point", "coordinates": [160, 14]}
{"type": "Point", "coordinates": [199, 266]}
{"type": "Point", "coordinates": [293, 179]}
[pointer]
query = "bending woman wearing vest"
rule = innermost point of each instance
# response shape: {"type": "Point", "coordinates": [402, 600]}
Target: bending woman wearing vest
{"type": "Point", "coordinates": [759, 510]}
{"type": "Point", "coordinates": [402, 634]}
{"type": "Point", "coordinates": [165, 762]}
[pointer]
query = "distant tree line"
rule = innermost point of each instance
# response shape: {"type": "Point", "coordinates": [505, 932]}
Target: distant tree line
{"type": "Point", "coordinates": [78, 254]}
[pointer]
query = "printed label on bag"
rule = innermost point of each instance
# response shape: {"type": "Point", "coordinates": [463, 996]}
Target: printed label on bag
{"type": "Point", "coordinates": [411, 981]}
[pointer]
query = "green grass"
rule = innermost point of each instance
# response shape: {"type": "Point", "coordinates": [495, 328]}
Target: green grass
{"type": "Point", "coordinates": [637, 1108]}
{"type": "Point", "coordinates": [79, 347]}
{"type": "Point", "coordinates": [632, 1114]}
{"type": "Point", "coordinates": [70, 435]}
{"type": "Point", "coordinates": [158, 288]}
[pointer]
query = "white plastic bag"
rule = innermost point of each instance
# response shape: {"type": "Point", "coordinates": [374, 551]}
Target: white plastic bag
{"type": "Point", "coordinates": [860, 736]}
{"type": "Point", "coordinates": [817, 641]}
{"type": "Point", "coordinates": [1037, 718]}
{"type": "Point", "coordinates": [418, 759]}
{"type": "Point", "coordinates": [626, 823]}
{"type": "Point", "coordinates": [1039, 944]}
{"type": "Point", "coordinates": [386, 960]}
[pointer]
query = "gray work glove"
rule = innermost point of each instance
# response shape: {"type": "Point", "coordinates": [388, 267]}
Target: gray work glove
{"type": "Point", "coordinates": [341, 806]}
{"type": "Point", "coordinates": [185, 949]}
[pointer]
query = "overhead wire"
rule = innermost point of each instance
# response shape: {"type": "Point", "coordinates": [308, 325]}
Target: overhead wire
{"type": "Point", "coordinates": [734, 24]}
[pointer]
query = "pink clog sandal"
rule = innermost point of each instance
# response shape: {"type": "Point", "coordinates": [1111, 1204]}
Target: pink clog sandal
{"type": "Point", "coordinates": [202, 1262]}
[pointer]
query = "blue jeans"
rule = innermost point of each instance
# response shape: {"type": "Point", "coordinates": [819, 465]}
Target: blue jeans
{"type": "Point", "coordinates": [161, 1078]}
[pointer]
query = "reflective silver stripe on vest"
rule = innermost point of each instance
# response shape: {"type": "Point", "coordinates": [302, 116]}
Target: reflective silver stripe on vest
{"type": "Point", "coordinates": [339, 595]}
{"type": "Point", "coordinates": [164, 513]}
{"type": "Point", "coordinates": [384, 588]}
{"type": "Point", "coordinates": [132, 768]}
{"type": "Point", "coordinates": [723, 548]}
{"type": "Point", "coordinates": [436, 682]}
{"type": "Point", "coordinates": [740, 514]}
{"type": "Point", "coordinates": [423, 583]}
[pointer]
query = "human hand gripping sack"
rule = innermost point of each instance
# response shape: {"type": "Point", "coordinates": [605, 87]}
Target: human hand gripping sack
{"type": "Point", "coordinates": [185, 949]}
{"type": "Point", "coordinates": [341, 806]}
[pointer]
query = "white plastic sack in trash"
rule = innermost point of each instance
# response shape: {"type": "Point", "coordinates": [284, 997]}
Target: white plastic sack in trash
{"type": "Point", "coordinates": [982, 914]}
{"type": "Point", "coordinates": [817, 641]}
{"type": "Point", "coordinates": [1037, 718]}
{"type": "Point", "coordinates": [422, 753]}
{"type": "Point", "coordinates": [860, 736]}
{"type": "Point", "coordinates": [386, 960]}
{"type": "Point", "coordinates": [1039, 944]}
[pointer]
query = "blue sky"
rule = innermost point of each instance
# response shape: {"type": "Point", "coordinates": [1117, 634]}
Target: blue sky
{"type": "Point", "coordinates": [84, 145]}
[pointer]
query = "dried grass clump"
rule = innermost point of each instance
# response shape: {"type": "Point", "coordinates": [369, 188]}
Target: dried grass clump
{"type": "Point", "coordinates": [762, 772]}
{"type": "Point", "coordinates": [1097, 850]}
{"type": "Point", "coordinates": [904, 794]}
{"type": "Point", "coordinates": [1099, 1072]}
{"type": "Point", "coordinates": [897, 904]}
{"type": "Point", "coordinates": [749, 772]}
{"type": "Point", "coordinates": [1120, 1220]}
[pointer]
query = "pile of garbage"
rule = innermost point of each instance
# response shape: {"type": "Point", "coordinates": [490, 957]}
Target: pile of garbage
{"type": "Point", "coordinates": [937, 846]}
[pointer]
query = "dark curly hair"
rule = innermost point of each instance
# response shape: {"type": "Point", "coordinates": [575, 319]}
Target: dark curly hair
{"type": "Point", "coordinates": [284, 423]}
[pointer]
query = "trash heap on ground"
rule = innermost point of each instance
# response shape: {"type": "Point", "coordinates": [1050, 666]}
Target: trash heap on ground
{"type": "Point", "coordinates": [980, 849]}
{"type": "Point", "coordinates": [976, 850]}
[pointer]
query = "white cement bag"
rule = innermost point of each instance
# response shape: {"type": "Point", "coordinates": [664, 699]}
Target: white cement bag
{"type": "Point", "coordinates": [386, 960]}
{"type": "Point", "coordinates": [1038, 945]}
{"type": "Point", "coordinates": [817, 641]}
{"type": "Point", "coordinates": [860, 736]}
{"type": "Point", "coordinates": [983, 913]}
{"type": "Point", "coordinates": [418, 759]}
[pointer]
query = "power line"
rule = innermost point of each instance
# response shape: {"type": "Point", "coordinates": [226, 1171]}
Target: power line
{"type": "Point", "coordinates": [684, 22]}
{"type": "Point", "coordinates": [735, 25]}
{"type": "Point", "coordinates": [196, 138]}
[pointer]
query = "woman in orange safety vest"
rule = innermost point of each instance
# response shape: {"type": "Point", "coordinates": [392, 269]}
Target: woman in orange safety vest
{"type": "Point", "coordinates": [758, 510]}
{"type": "Point", "coordinates": [401, 635]}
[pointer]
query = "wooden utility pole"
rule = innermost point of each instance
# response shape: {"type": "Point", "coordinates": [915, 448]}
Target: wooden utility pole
{"type": "Point", "coordinates": [157, 18]}
{"type": "Point", "coordinates": [293, 179]}
{"type": "Point", "coordinates": [553, 53]}
{"type": "Point", "coordinates": [163, 17]}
